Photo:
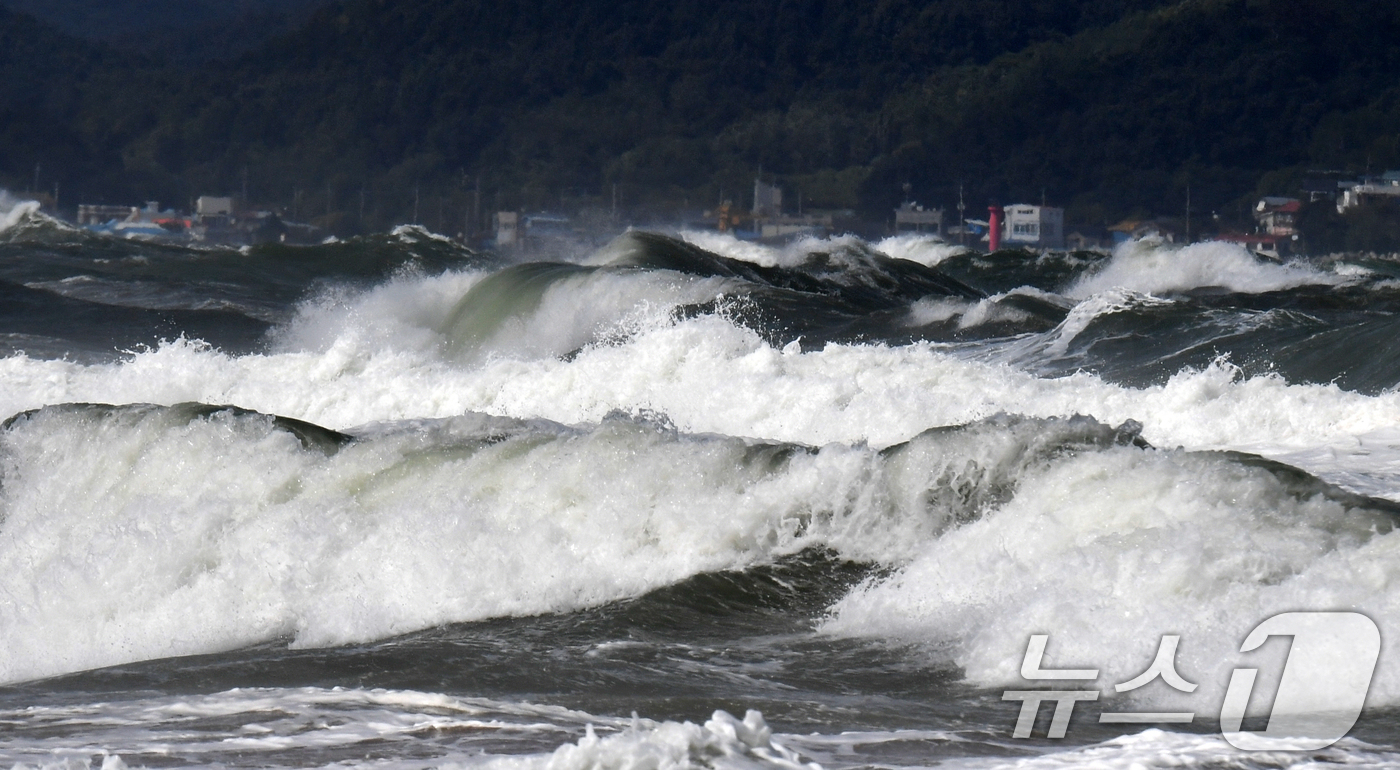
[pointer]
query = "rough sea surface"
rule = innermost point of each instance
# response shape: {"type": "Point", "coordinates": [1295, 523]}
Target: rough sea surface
{"type": "Point", "coordinates": [681, 502]}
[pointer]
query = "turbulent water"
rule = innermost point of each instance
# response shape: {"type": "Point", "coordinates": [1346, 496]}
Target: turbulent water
{"type": "Point", "coordinates": [680, 502]}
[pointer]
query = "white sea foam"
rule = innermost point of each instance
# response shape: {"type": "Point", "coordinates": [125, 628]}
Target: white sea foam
{"type": "Point", "coordinates": [144, 534]}
{"type": "Point", "coordinates": [1155, 748]}
{"type": "Point", "coordinates": [969, 314]}
{"type": "Point", "coordinates": [412, 314]}
{"type": "Point", "coordinates": [707, 376]}
{"type": "Point", "coordinates": [721, 743]}
{"type": "Point", "coordinates": [404, 730]}
{"type": "Point", "coordinates": [313, 723]}
{"type": "Point", "coordinates": [316, 727]}
{"type": "Point", "coordinates": [1081, 315]}
{"type": "Point", "coordinates": [935, 310]}
{"type": "Point", "coordinates": [415, 233]}
{"type": "Point", "coordinates": [726, 245]}
{"type": "Point", "coordinates": [14, 211]}
{"type": "Point", "coordinates": [927, 250]}
{"type": "Point", "coordinates": [405, 313]}
{"type": "Point", "coordinates": [1108, 552]}
{"type": "Point", "coordinates": [1157, 268]}
{"type": "Point", "coordinates": [217, 534]}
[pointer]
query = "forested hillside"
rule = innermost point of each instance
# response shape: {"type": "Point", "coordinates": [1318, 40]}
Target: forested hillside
{"type": "Point", "coordinates": [172, 30]}
{"type": "Point", "coordinates": [1110, 107]}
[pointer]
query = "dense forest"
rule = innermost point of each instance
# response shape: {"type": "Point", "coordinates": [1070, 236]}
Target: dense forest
{"type": "Point", "coordinates": [173, 30]}
{"type": "Point", "coordinates": [375, 111]}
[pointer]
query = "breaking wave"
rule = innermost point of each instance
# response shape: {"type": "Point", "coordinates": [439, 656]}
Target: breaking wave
{"type": "Point", "coordinates": [1158, 268]}
{"type": "Point", "coordinates": [424, 436]}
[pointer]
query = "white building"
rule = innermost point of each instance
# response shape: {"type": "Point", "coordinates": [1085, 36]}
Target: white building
{"type": "Point", "coordinates": [1035, 227]}
{"type": "Point", "coordinates": [767, 199]}
{"type": "Point", "coordinates": [507, 229]}
{"type": "Point", "coordinates": [912, 216]}
{"type": "Point", "coordinates": [211, 206]}
{"type": "Point", "coordinates": [808, 224]}
{"type": "Point", "coordinates": [1386, 188]}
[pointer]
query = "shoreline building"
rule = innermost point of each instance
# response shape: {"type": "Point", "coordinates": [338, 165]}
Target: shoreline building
{"type": "Point", "coordinates": [769, 221]}
{"type": "Point", "coordinates": [767, 200]}
{"type": "Point", "coordinates": [507, 228]}
{"type": "Point", "coordinates": [1278, 216]}
{"type": "Point", "coordinates": [1036, 227]}
{"type": "Point", "coordinates": [1368, 191]}
{"type": "Point", "coordinates": [910, 216]}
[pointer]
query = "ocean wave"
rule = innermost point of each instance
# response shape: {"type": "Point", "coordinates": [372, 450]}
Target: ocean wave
{"type": "Point", "coordinates": [1156, 268]}
{"type": "Point", "coordinates": [15, 211]}
{"type": "Point", "coordinates": [548, 437]}
{"type": "Point", "coordinates": [136, 532]}
{"type": "Point", "coordinates": [141, 532]}
{"type": "Point", "coordinates": [927, 250]}
{"type": "Point", "coordinates": [707, 375]}
{"type": "Point", "coordinates": [1109, 551]}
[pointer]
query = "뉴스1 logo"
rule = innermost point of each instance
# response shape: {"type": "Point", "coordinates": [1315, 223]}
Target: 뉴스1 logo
{"type": "Point", "coordinates": [1319, 698]}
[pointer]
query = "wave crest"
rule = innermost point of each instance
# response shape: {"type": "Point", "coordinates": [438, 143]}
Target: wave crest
{"type": "Point", "coordinates": [1155, 268]}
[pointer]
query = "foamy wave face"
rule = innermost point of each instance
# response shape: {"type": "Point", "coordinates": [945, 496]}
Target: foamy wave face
{"type": "Point", "coordinates": [1108, 302]}
{"type": "Point", "coordinates": [848, 250]}
{"type": "Point", "coordinates": [404, 313]}
{"type": "Point", "coordinates": [14, 211]}
{"type": "Point", "coordinates": [727, 245]}
{"type": "Point", "coordinates": [1150, 267]}
{"type": "Point", "coordinates": [707, 375]}
{"type": "Point", "coordinates": [927, 250]}
{"type": "Point", "coordinates": [470, 317]}
{"type": "Point", "coordinates": [969, 314]}
{"type": "Point", "coordinates": [1107, 552]}
{"type": "Point", "coordinates": [146, 532]}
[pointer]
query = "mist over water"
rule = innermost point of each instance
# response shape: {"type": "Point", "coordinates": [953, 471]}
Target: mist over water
{"type": "Point", "coordinates": [391, 502]}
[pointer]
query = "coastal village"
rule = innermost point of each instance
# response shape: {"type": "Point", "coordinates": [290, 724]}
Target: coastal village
{"type": "Point", "coordinates": [213, 220]}
{"type": "Point", "coordinates": [1276, 231]}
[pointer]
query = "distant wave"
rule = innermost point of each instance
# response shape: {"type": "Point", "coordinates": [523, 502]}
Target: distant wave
{"type": "Point", "coordinates": [1147, 266]}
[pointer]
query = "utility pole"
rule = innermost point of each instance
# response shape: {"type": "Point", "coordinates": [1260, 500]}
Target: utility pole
{"type": "Point", "coordinates": [962, 221]}
{"type": "Point", "coordinates": [1188, 214]}
{"type": "Point", "coordinates": [362, 208]}
{"type": "Point", "coordinates": [415, 204]}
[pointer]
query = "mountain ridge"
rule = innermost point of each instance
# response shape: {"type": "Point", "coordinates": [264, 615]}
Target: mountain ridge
{"type": "Point", "coordinates": [1111, 108]}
